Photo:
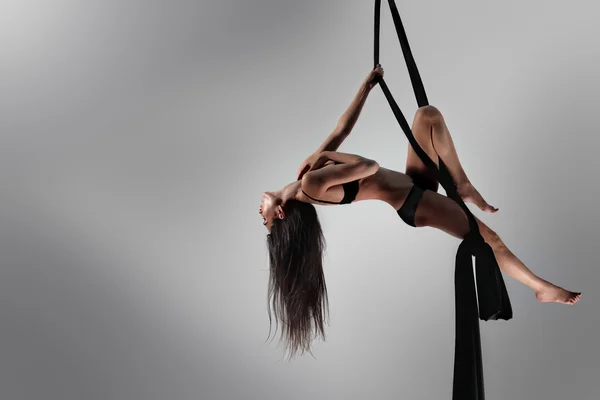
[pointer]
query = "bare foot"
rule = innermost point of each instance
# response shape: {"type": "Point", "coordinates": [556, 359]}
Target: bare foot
{"type": "Point", "coordinates": [555, 294]}
{"type": "Point", "coordinates": [469, 194]}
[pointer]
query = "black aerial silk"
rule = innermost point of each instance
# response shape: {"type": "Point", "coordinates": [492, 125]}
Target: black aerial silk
{"type": "Point", "coordinates": [493, 298]}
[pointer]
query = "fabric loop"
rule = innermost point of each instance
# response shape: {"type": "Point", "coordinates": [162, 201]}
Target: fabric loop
{"type": "Point", "coordinates": [494, 302]}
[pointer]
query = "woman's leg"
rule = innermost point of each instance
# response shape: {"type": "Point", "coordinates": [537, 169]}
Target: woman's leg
{"type": "Point", "coordinates": [441, 212]}
{"type": "Point", "coordinates": [432, 134]}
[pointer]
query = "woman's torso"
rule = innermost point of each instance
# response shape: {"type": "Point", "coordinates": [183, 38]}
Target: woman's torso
{"type": "Point", "coordinates": [386, 185]}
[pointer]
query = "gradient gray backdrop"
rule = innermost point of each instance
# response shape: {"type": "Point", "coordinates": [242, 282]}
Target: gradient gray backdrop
{"type": "Point", "coordinates": [137, 137]}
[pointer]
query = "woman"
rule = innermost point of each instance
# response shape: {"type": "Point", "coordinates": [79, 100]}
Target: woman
{"type": "Point", "coordinates": [295, 240]}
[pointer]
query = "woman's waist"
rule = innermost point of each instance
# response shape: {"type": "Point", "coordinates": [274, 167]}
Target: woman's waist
{"type": "Point", "coordinates": [385, 185]}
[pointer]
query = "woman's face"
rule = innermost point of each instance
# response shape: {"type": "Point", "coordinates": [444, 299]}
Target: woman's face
{"type": "Point", "coordinates": [270, 208]}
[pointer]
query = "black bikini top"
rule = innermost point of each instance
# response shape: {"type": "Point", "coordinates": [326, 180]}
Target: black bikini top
{"type": "Point", "coordinates": [350, 191]}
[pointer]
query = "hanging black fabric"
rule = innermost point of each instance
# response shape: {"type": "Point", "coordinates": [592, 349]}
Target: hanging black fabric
{"type": "Point", "coordinates": [494, 302]}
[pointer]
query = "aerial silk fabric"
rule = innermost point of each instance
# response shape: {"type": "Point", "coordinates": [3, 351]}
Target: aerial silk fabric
{"type": "Point", "coordinates": [494, 303]}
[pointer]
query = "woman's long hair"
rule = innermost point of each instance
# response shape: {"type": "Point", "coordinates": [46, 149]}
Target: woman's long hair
{"type": "Point", "coordinates": [296, 279]}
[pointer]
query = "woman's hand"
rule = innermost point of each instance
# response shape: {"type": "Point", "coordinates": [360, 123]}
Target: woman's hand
{"type": "Point", "coordinates": [373, 78]}
{"type": "Point", "coordinates": [312, 162]}
{"type": "Point", "coordinates": [321, 160]}
{"type": "Point", "coordinates": [307, 165]}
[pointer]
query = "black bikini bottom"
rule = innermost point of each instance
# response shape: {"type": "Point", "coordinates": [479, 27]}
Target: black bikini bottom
{"type": "Point", "coordinates": [409, 208]}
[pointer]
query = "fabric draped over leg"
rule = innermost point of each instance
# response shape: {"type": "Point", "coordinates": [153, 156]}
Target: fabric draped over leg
{"type": "Point", "coordinates": [494, 303]}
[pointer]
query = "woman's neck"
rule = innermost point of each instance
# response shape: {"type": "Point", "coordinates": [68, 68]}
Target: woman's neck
{"type": "Point", "coordinates": [290, 191]}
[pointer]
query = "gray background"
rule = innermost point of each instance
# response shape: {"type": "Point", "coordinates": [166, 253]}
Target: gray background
{"type": "Point", "coordinates": [137, 137]}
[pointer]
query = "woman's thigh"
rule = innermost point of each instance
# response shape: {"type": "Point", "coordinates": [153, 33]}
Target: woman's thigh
{"type": "Point", "coordinates": [441, 212]}
{"type": "Point", "coordinates": [421, 128]}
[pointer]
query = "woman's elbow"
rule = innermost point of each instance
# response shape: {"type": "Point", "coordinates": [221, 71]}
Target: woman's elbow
{"type": "Point", "coordinates": [372, 166]}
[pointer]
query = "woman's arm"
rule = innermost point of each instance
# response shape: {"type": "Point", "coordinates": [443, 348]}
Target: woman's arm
{"type": "Point", "coordinates": [348, 119]}
{"type": "Point", "coordinates": [346, 122]}
{"type": "Point", "coordinates": [341, 158]}
{"type": "Point", "coordinates": [351, 167]}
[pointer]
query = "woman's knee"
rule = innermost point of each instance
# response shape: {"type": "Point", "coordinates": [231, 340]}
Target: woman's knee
{"type": "Point", "coordinates": [490, 236]}
{"type": "Point", "coordinates": [428, 114]}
